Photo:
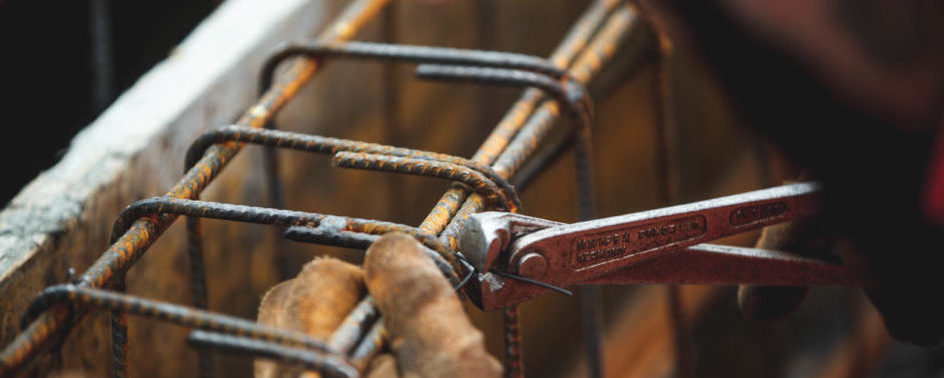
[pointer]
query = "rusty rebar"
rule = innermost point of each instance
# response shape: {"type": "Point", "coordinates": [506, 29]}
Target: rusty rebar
{"type": "Point", "coordinates": [571, 94]}
{"type": "Point", "coordinates": [168, 312]}
{"type": "Point", "coordinates": [330, 237]}
{"type": "Point", "coordinates": [357, 240]}
{"type": "Point", "coordinates": [151, 207]}
{"type": "Point", "coordinates": [389, 52]}
{"type": "Point", "coordinates": [328, 145]}
{"type": "Point", "coordinates": [476, 181]}
{"type": "Point", "coordinates": [390, 109]}
{"type": "Point", "coordinates": [101, 53]}
{"type": "Point", "coordinates": [119, 334]}
{"type": "Point", "coordinates": [405, 53]}
{"type": "Point", "coordinates": [669, 182]}
{"type": "Point", "coordinates": [198, 284]}
{"type": "Point", "coordinates": [133, 244]}
{"type": "Point", "coordinates": [369, 346]}
{"type": "Point", "coordinates": [529, 120]}
{"type": "Point", "coordinates": [142, 232]}
{"type": "Point", "coordinates": [157, 207]}
{"type": "Point", "coordinates": [503, 144]}
{"type": "Point", "coordinates": [547, 156]}
{"type": "Point", "coordinates": [329, 364]}
{"type": "Point", "coordinates": [514, 366]}
{"type": "Point", "coordinates": [587, 64]}
{"type": "Point", "coordinates": [347, 335]}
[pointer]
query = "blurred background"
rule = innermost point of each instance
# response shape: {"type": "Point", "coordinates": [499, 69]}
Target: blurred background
{"type": "Point", "coordinates": [50, 54]}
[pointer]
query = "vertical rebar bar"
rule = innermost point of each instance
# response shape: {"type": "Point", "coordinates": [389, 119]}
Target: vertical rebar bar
{"type": "Point", "coordinates": [39, 334]}
{"type": "Point", "coordinates": [530, 119]}
{"type": "Point", "coordinates": [112, 265]}
{"type": "Point", "coordinates": [485, 32]}
{"type": "Point", "coordinates": [198, 289]}
{"type": "Point", "coordinates": [390, 105]}
{"type": "Point", "coordinates": [102, 62]}
{"type": "Point", "coordinates": [119, 334]}
{"type": "Point", "coordinates": [514, 365]}
{"type": "Point", "coordinates": [591, 296]}
{"type": "Point", "coordinates": [668, 179]}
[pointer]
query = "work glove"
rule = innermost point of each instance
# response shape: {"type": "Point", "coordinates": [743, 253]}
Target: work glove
{"type": "Point", "coordinates": [428, 331]}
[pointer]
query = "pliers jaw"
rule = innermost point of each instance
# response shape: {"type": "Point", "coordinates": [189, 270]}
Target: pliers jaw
{"type": "Point", "coordinates": [517, 257]}
{"type": "Point", "coordinates": [485, 243]}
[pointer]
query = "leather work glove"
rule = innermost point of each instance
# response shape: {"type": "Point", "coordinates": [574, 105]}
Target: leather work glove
{"type": "Point", "coordinates": [429, 333]}
{"type": "Point", "coordinates": [853, 92]}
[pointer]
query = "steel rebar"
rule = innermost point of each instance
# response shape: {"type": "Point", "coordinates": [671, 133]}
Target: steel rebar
{"type": "Point", "coordinates": [329, 364]}
{"type": "Point", "coordinates": [328, 145]}
{"type": "Point", "coordinates": [168, 312]}
{"type": "Point", "coordinates": [134, 243]}
{"type": "Point", "coordinates": [476, 181]}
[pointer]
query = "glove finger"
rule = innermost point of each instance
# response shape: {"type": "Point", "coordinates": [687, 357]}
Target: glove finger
{"type": "Point", "coordinates": [429, 331]}
{"type": "Point", "coordinates": [323, 294]}
{"type": "Point", "coordinates": [271, 313]}
{"type": "Point", "coordinates": [315, 303]}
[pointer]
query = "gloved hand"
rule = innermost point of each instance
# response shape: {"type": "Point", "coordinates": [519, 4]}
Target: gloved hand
{"type": "Point", "coordinates": [429, 333]}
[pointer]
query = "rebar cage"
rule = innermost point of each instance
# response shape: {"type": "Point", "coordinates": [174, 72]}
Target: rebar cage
{"type": "Point", "coordinates": [526, 140]}
{"type": "Point", "coordinates": [482, 182]}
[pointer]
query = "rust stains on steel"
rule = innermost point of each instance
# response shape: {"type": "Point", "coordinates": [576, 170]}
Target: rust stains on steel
{"type": "Point", "coordinates": [475, 180]}
{"type": "Point", "coordinates": [169, 312]}
{"type": "Point", "coordinates": [390, 52]}
{"type": "Point", "coordinates": [539, 124]}
{"type": "Point", "coordinates": [511, 142]}
{"type": "Point", "coordinates": [406, 53]}
{"type": "Point", "coordinates": [571, 94]}
{"type": "Point", "coordinates": [345, 338]}
{"type": "Point", "coordinates": [369, 346]}
{"type": "Point", "coordinates": [328, 145]}
{"type": "Point", "coordinates": [519, 132]}
{"type": "Point", "coordinates": [513, 362]}
{"type": "Point", "coordinates": [163, 206]}
{"type": "Point", "coordinates": [332, 365]}
{"type": "Point", "coordinates": [500, 138]}
{"type": "Point", "coordinates": [132, 244]}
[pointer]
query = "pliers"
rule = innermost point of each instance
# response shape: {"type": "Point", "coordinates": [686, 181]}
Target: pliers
{"type": "Point", "coordinates": [517, 257]}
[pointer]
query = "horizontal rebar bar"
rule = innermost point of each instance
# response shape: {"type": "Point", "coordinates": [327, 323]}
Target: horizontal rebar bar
{"type": "Point", "coordinates": [330, 237]}
{"type": "Point", "coordinates": [420, 167]}
{"type": "Point", "coordinates": [456, 203]}
{"type": "Point", "coordinates": [328, 364]}
{"type": "Point", "coordinates": [570, 93]}
{"type": "Point", "coordinates": [169, 312]}
{"type": "Point", "coordinates": [203, 209]}
{"type": "Point", "coordinates": [501, 143]}
{"type": "Point", "coordinates": [134, 243]}
{"type": "Point", "coordinates": [405, 53]}
{"type": "Point", "coordinates": [539, 124]}
{"type": "Point", "coordinates": [162, 206]}
{"type": "Point", "coordinates": [328, 145]}
{"type": "Point", "coordinates": [357, 240]}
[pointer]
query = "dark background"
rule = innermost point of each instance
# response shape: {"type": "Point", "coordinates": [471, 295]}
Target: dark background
{"type": "Point", "coordinates": [46, 73]}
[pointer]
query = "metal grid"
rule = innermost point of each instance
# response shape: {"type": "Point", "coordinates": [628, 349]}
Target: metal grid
{"type": "Point", "coordinates": [482, 182]}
